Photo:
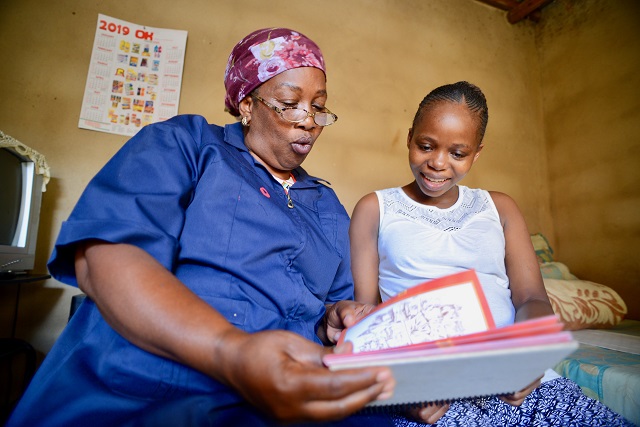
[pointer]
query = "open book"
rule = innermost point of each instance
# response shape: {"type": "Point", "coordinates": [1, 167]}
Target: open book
{"type": "Point", "coordinates": [441, 343]}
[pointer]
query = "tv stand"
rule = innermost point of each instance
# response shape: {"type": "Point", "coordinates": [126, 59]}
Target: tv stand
{"type": "Point", "coordinates": [17, 278]}
{"type": "Point", "coordinates": [16, 355]}
{"type": "Point", "coordinates": [11, 275]}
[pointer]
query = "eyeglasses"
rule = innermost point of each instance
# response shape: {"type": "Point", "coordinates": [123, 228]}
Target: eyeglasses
{"type": "Point", "coordinates": [297, 115]}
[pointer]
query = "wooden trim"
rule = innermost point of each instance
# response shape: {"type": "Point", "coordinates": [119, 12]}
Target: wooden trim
{"type": "Point", "coordinates": [522, 10]}
{"type": "Point", "coordinates": [510, 4]}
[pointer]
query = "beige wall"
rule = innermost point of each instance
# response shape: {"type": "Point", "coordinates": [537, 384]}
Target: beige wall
{"type": "Point", "coordinates": [590, 62]}
{"type": "Point", "coordinates": [383, 56]}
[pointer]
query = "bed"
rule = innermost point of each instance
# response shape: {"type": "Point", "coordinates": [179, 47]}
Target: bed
{"type": "Point", "coordinates": [611, 375]}
{"type": "Point", "coordinates": [607, 364]}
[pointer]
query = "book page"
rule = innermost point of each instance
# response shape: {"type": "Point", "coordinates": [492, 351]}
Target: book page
{"type": "Point", "coordinates": [442, 308]}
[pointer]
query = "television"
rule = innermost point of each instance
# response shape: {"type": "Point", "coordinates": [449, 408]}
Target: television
{"type": "Point", "coordinates": [20, 198]}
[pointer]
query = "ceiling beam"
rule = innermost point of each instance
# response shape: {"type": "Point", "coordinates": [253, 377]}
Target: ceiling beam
{"type": "Point", "coordinates": [523, 9]}
{"type": "Point", "coordinates": [501, 4]}
{"type": "Point", "coordinates": [510, 4]}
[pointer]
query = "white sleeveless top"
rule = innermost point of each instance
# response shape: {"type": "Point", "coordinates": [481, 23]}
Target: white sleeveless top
{"type": "Point", "coordinates": [417, 243]}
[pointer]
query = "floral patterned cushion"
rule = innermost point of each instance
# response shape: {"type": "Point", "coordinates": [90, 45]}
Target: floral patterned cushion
{"type": "Point", "coordinates": [581, 304]}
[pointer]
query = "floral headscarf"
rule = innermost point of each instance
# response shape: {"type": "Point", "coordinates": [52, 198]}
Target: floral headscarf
{"type": "Point", "coordinates": [262, 55]}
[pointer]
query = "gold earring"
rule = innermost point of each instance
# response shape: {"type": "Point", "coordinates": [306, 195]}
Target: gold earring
{"type": "Point", "coordinates": [245, 121]}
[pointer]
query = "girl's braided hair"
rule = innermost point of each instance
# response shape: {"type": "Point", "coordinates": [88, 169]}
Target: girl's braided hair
{"type": "Point", "coordinates": [458, 92]}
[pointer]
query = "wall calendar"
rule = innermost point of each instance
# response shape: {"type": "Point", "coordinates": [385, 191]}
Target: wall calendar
{"type": "Point", "coordinates": [134, 76]}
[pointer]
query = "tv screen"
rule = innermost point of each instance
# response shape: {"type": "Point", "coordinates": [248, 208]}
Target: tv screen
{"type": "Point", "coordinates": [20, 197]}
{"type": "Point", "coordinates": [11, 171]}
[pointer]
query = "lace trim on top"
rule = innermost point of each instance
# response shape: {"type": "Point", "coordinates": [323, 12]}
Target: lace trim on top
{"type": "Point", "coordinates": [469, 203]}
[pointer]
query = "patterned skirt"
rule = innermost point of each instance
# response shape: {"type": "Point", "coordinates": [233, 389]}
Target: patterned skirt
{"type": "Point", "coordinates": [559, 402]}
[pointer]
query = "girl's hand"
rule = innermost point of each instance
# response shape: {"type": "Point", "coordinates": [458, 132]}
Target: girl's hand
{"type": "Point", "coordinates": [516, 399]}
{"type": "Point", "coordinates": [340, 316]}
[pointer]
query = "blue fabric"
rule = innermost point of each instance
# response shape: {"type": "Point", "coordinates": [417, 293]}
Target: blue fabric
{"type": "Point", "coordinates": [191, 195]}
{"type": "Point", "coordinates": [197, 411]}
{"type": "Point", "coordinates": [556, 403]}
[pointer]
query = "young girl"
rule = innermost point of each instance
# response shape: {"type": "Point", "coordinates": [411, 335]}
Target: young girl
{"type": "Point", "coordinates": [433, 227]}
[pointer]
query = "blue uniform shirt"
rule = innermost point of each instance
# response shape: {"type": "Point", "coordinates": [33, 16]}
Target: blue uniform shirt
{"type": "Point", "coordinates": [191, 195]}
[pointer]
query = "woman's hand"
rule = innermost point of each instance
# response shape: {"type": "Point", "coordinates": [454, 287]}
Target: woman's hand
{"type": "Point", "coordinates": [340, 316]}
{"type": "Point", "coordinates": [516, 399]}
{"type": "Point", "coordinates": [282, 374]}
{"type": "Point", "coordinates": [429, 413]}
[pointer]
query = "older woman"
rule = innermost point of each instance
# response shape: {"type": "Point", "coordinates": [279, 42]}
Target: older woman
{"type": "Point", "coordinates": [210, 257]}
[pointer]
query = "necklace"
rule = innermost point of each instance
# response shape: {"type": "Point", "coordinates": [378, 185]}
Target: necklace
{"type": "Point", "coordinates": [286, 184]}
